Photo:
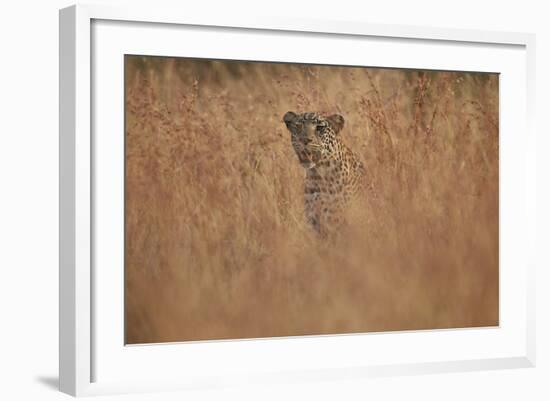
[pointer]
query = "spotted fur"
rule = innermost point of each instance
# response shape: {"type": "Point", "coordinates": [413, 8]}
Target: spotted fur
{"type": "Point", "coordinates": [334, 174]}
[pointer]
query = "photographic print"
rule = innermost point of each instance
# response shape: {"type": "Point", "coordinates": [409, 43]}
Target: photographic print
{"type": "Point", "coordinates": [271, 199]}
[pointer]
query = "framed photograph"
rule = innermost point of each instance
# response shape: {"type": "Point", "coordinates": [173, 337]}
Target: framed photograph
{"type": "Point", "coordinates": [274, 200]}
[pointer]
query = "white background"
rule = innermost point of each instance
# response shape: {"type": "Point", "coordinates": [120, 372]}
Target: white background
{"type": "Point", "coordinates": [29, 211]}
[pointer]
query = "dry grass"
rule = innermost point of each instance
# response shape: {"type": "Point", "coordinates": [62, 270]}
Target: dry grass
{"type": "Point", "coordinates": [216, 242]}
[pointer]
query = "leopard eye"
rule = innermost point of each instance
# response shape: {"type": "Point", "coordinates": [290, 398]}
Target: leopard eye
{"type": "Point", "coordinates": [320, 128]}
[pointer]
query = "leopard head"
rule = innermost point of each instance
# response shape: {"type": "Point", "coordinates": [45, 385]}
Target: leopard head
{"type": "Point", "coordinates": [313, 137]}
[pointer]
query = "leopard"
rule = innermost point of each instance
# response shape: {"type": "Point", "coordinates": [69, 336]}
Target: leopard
{"type": "Point", "coordinates": [334, 174]}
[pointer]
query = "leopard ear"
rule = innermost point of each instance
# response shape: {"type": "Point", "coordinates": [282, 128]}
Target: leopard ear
{"type": "Point", "coordinates": [289, 117]}
{"type": "Point", "coordinates": [336, 122]}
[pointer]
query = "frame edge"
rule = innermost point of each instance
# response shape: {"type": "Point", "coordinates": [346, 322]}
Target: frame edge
{"type": "Point", "coordinates": [531, 187]}
{"type": "Point", "coordinates": [74, 201]}
{"type": "Point", "coordinates": [67, 113]}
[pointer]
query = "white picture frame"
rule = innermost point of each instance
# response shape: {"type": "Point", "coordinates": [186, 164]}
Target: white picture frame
{"type": "Point", "coordinates": [81, 342]}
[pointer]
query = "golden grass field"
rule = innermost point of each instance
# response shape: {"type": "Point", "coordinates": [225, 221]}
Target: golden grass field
{"type": "Point", "coordinates": [216, 242]}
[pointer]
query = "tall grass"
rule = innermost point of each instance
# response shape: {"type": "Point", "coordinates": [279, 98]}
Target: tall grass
{"type": "Point", "coordinates": [217, 245]}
